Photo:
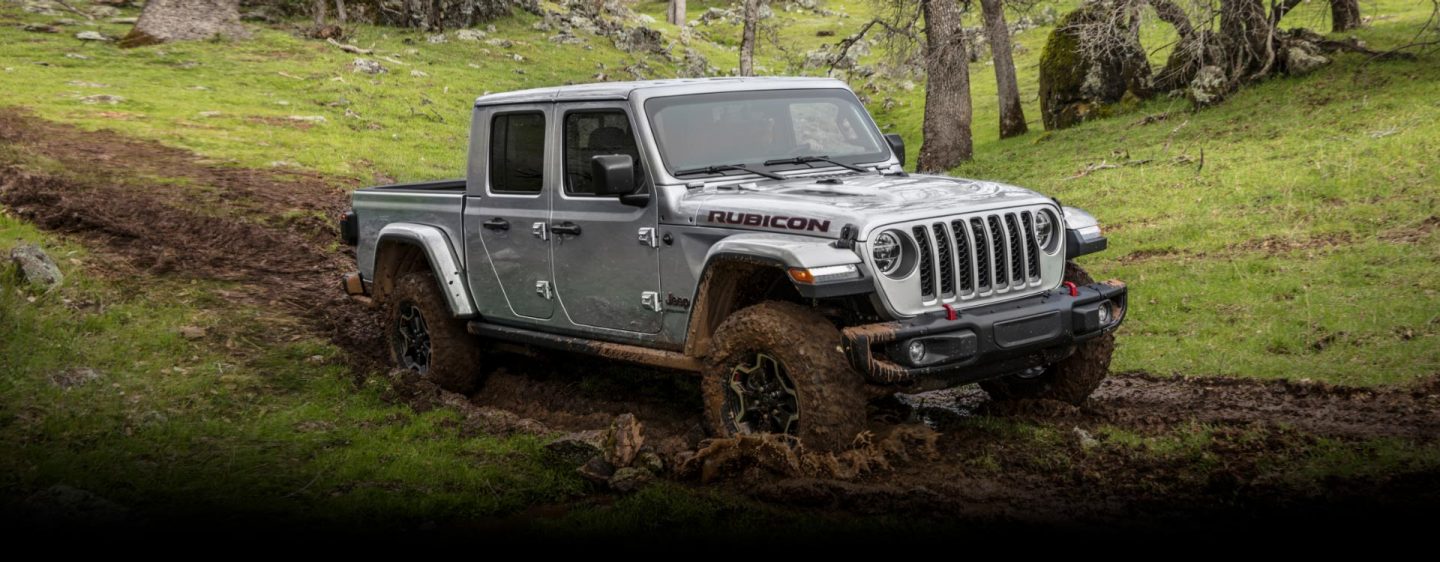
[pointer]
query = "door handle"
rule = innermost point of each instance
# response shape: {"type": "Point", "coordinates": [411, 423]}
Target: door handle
{"type": "Point", "coordinates": [496, 224]}
{"type": "Point", "coordinates": [566, 228]}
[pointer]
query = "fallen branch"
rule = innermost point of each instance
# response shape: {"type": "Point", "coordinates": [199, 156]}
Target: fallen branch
{"type": "Point", "coordinates": [350, 48]}
{"type": "Point", "coordinates": [72, 8]}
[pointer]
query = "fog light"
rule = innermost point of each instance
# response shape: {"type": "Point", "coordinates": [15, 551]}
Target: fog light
{"type": "Point", "coordinates": [1106, 313]}
{"type": "Point", "coordinates": [917, 352]}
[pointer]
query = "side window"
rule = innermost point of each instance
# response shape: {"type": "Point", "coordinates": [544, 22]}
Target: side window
{"type": "Point", "coordinates": [595, 133]}
{"type": "Point", "coordinates": [517, 152]}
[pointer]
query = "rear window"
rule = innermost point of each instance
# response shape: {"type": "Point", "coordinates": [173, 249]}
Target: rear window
{"type": "Point", "coordinates": [517, 152]}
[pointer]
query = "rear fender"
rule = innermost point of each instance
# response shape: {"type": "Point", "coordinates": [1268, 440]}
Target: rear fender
{"type": "Point", "coordinates": [443, 262]}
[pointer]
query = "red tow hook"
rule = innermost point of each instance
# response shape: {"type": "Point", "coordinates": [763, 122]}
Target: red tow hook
{"type": "Point", "coordinates": [950, 313]}
{"type": "Point", "coordinates": [1074, 291]}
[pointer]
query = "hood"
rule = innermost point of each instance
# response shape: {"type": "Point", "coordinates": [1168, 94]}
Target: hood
{"type": "Point", "coordinates": [823, 205]}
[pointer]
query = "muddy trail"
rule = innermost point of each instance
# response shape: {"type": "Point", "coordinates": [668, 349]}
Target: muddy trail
{"type": "Point", "coordinates": [154, 210]}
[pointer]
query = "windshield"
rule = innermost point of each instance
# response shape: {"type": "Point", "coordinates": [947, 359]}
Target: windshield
{"type": "Point", "coordinates": [749, 128]}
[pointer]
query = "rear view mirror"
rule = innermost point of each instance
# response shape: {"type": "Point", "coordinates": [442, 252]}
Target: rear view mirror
{"type": "Point", "coordinates": [897, 145]}
{"type": "Point", "coordinates": [613, 174]}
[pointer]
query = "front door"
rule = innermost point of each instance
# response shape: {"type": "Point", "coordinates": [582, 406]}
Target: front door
{"type": "Point", "coordinates": [606, 253]}
{"type": "Point", "coordinates": [512, 212]}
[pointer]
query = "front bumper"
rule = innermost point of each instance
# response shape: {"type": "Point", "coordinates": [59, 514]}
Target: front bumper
{"type": "Point", "coordinates": [993, 340]}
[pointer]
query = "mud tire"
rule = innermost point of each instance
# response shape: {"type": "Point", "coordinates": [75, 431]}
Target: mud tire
{"type": "Point", "coordinates": [829, 392]}
{"type": "Point", "coordinates": [454, 362]}
{"type": "Point", "coordinates": [1070, 380]}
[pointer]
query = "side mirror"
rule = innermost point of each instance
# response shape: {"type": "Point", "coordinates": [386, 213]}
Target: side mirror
{"type": "Point", "coordinates": [897, 145]}
{"type": "Point", "coordinates": [613, 174]}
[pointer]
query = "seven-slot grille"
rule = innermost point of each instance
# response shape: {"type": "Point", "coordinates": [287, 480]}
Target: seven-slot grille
{"type": "Point", "coordinates": [992, 253]}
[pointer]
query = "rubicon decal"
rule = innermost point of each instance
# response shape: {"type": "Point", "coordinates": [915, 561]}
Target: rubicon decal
{"type": "Point", "coordinates": [769, 221]}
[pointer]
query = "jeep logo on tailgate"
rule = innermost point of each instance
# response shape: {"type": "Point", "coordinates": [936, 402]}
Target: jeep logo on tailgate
{"type": "Point", "coordinates": [769, 221]}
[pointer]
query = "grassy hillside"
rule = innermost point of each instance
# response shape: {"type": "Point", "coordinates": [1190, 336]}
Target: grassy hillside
{"type": "Point", "coordinates": [1289, 233]}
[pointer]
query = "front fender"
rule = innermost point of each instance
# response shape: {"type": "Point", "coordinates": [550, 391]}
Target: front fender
{"type": "Point", "coordinates": [443, 262]}
{"type": "Point", "coordinates": [1082, 234]}
{"type": "Point", "coordinates": [788, 252]}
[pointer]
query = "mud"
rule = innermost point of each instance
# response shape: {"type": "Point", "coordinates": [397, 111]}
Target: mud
{"type": "Point", "coordinates": [164, 211]}
{"type": "Point", "coordinates": [943, 454]}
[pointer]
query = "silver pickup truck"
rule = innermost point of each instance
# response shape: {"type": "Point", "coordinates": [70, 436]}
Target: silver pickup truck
{"type": "Point", "coordinates": [760, 232]}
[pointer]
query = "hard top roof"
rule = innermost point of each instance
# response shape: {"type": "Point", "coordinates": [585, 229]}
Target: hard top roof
{"type": "Point", "coordinates": [623, 90]}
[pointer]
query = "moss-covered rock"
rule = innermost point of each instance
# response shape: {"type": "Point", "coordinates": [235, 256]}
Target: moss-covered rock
{"type": "Point", "coordinates": [1075, 82]}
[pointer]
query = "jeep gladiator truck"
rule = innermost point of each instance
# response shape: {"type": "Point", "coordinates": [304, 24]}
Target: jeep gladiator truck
{"type": "Point", "coordinates": [760, 232]}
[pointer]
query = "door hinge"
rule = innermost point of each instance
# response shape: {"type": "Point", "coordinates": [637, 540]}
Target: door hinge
{"type": "Point", "coordinates": [538, 229]}
{"type": "Point", "coordinates": [542, 288]}
{"type": "Point", "coordinates": [651, 300]}
{"type": "Point", "coordinates": [647, 237]}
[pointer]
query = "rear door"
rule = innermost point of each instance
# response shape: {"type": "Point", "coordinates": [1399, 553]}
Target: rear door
{"type": "Point", "coordinates": [606, 253]}
{"type": "Point", "coordinates": [511, 213]}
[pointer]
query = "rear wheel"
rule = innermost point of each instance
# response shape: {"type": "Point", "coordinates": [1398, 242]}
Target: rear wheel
{"type": "Point", "coordinates": [425, 338]}
{"type": "Point", "coordinates": [776, 367]}
{"type": "Point", "coordinates": [1070, 380]}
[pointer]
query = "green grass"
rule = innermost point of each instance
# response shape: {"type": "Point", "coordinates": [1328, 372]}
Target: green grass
{"type": "Point", "coordinates": [235, 421]}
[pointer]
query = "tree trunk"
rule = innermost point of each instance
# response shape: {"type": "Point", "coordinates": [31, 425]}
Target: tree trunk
{"type": "Point", "coordinates": [1012, 116]}
{"type": "Point", "coordinates": [1344, 15]}
{"type": "Point", "coordinates": [318, 11]}
{"type": "Point", "coordinates": [747, 38]}
{"type": "Point", "coordinates": [946, 130]}
{"type": "Point", "coordinates": [340, 11]}
{"type": "Point", "coordinates": [185, 20]}
{"type": "Point", "coordinates": [675, 14]}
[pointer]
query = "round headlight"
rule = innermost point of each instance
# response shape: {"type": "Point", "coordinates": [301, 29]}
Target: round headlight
{"type": "Point", "coordinates": [1047, 229]}
{"type": "Point", "coordinates": [887, 253]}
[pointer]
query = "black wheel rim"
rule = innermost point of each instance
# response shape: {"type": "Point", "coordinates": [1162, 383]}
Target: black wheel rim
{"type": "Point", "coordinates": [412, 339]}
{"type": "Point", "coordinates": [760, 397]}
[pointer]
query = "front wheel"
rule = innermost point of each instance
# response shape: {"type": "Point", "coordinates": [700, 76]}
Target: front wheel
{"type": "Point", "coordinates": [776, 367]}
{"type": "Point", "coordinates": [1070, 380]}
{"type": "Point", "coordinates": [425, 338]}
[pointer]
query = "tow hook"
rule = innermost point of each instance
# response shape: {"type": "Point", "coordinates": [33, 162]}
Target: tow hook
{"type": "Point", "coordinates": [1074, 290]}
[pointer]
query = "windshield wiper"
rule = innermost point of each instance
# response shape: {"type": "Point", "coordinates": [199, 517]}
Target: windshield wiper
{"type": "Point", "coordinates": [809, 159]}
{"type": "Point", "coordinates": [724, 167]}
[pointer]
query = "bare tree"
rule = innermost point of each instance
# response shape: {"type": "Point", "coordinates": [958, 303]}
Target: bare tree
{"type": "Point", "coordinates": [747, 37]}
{"type": "Point", "coordinates": [946, 126]}
{"type": "Point", "coordinates": [1344, 15]}
{"type": "Point", "coordinates": [1012, 115]}
{"type": "Point", "coordinates": [185, 20]}
{"type": "Point", "coordinates": [675, 12]}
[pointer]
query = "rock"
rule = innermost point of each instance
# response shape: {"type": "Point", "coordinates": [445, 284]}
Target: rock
{"type": "Point", "coordinates": [577, 448]}
{"type": "Point", "coordinates": [192, 332]}
{"type": "Point", "coordinates": [1076, 82]}
{"type": "Point", "coordinates": [63, 506]}
{"type": "Point", "coordinates": [208, 114]}
{"type": "Point", "coordinates": [93, 36]}
{"type": "Point", "coordinates": [437, 39]}
{"type": "Point", "coordinates": [104, 11]}
{"type": "Point", "coordinates": [307, 118]}
{"type": "Point", "coordinates": [98, 99]}
{"type": "Point", "coordinates": [40, 28]}
{"type": "Point", "coordinates": [76, 56]}
{"type": "Point", "coordinates": [597, 470]}
{"type": "Point", "coordinates": [623, 440]}
{"type": "Point", "coordinates": [71, 378]}
{"type": "Point", "coordinates": [35, 266]}
{"type": "Point", "coordinates": [367, 66]}
{"type": "Point", "coordinates": [630, 479]}
{"type": "Point", "coordinates": [1208, 87]}
{"type": "Point", "coordinates": [1300, 61]}
{"type": "Point", "coordinates": [84, 84]}
{"type": "Point", "coordinates": [500, 43]}
{"type": "Point", "coordinates": [418, 74]}
{"type": "Point", "coordinates": [649, 460]}
{"type": "Point", "coordinates": [469, 35]}
{"type": "Point", "coordinates": [1086, 440]}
